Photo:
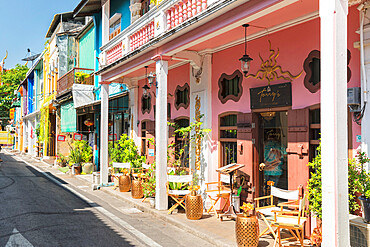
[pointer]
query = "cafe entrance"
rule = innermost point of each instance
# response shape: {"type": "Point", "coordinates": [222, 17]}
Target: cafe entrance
{"type": "Point", "coordinates": [272, 145]}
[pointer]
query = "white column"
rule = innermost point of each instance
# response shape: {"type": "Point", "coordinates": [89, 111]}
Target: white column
{"type": "Point", "coordinates": [134, 103]}
{"type": "Point", "coordinates": [365, 85]}
{"type": "Point", "coordinates": [104, 94]}
{"type": "Point", "coordinates": [203, 90]}
{"type": "Point", "coordinates": [161, 135]}
{"type": "Point", "coordinates": [105, 22]}
{"type": "Point", "coordinates": [333, 42]}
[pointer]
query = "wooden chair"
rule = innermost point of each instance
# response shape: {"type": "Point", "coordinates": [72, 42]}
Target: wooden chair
{"type": "Point", "coordinates": [267, 212]}
{"type": "Point", "coordinates": [291, 220]}
{"type": "Point", "coordinates": [177, 194]}
{"type": "Point", "coordinates": [116, 165]}
{"type": "Point", "coordinates": [215, 191]}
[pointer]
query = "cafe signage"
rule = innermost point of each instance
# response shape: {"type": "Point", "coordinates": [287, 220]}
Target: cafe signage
{"type": "Point", "coordinates": [271, 96]}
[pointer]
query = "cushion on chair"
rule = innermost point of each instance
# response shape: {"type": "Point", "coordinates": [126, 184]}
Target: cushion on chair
{"type": "Point", "coordinates": [178, 192]}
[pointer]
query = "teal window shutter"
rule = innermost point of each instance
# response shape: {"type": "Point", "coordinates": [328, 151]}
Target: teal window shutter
{"type": "Point", "coordinates": [68, 117]}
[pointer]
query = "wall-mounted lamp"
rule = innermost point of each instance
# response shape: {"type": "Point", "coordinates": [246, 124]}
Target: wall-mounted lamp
{"type": "Point", "coordinates": [150, 79]}
{"type": "Point", "coordinates": [245, 59]}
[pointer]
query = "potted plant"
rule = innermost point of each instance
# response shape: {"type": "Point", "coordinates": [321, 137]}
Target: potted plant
{"type": "Point", "coordinates": [246, 227]}
{"type": "Point", "coordinates": [314, 189]}
{"type": "Point", "coordinates": [194, 201]}
{"type": "Point", "coordinates": [75, 159]}
{"type": "Point", "coordinates": [149, 185]}
{"type": "Point", "coordinates": [62, 160]}
{"type": "Point", "coordinates": [86, 153]}
{"type": "Point", "coordinates": [364, 185]}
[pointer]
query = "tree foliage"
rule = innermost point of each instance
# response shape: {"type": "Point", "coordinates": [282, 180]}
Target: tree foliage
{"type": "Point", "coordinates": [10, 80]}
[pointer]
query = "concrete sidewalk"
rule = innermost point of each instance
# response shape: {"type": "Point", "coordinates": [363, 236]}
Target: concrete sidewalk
{"type": "Point", "coordinates": [208, 228]}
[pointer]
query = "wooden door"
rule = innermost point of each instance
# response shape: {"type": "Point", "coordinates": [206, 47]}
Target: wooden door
{"type": "Point", "coordinates": [298, 152]}
{"type": "Point", "coordinates": [298, 148]}
{"type": "Point", "coordinates": [247, 153]}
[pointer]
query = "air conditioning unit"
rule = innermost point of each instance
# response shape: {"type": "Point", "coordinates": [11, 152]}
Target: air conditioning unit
{"type": "Point", "coordinates": [359, 232]}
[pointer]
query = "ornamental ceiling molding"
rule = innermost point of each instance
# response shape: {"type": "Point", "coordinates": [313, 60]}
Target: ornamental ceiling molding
{"type": "Point", "coordinates": [271, 71]}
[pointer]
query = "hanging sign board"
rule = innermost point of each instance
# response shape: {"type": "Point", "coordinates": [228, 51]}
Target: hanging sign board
{"type": "Point", "coordinates": [77, 137]}
{"type": "Point", "coordinates": [271, 96]}
{"type": "Point", "coordinates": [151, 151]}
{"type": "Point", "coordinates": [112, 137]}
{"type": "Point", "coordinates": [61, 138]}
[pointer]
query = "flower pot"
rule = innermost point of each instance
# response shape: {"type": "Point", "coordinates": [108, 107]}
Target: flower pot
{"type": "Point", "coordinates": [194, 207]}
{"type": "Point", "coordinates": [76, 169]}
{"type": "Point", "coordinates": [124, 183]}
{"type": "Point", "coordinates": [365, 205]}
{"type": "Point", "coordinates": [88, 168]}
{"type": "Point", "coordinates": [136, 189]}
{"type": "Point", "coordinates": [247, 231]}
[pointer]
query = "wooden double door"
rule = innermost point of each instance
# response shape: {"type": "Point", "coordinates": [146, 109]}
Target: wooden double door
{"type": "Point", "coordinates": [260, 138]}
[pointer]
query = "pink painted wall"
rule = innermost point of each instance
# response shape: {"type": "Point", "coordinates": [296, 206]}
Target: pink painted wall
{"type": "Point", "coordinates": [177, 76]}
{"type": "Point", "coordinates": [294, 45]}
{"type": "Point", "coordinates": [353, 25]}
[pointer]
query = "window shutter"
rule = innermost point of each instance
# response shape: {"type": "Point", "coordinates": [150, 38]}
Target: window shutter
{"type": "Point", "coordinates": [246, 151]}
{"type": "Point", "coordinates": [298, 145]}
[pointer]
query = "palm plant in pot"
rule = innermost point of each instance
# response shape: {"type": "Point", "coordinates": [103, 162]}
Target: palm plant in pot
{"type": "Point", "coordinates": [75, 159]}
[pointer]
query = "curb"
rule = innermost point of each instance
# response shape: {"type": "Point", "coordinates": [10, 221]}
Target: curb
{"type": "Point", "coordinates": [215, 240]}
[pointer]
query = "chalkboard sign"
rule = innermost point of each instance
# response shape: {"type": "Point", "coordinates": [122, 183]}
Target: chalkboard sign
{"type": "Point", "coordinates": [271, 96]}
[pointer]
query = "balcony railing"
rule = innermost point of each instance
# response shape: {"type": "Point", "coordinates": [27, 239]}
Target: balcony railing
{"type": "Point", "coordinates": [75, 76]}
{"type": "Point", "coordinates": [168, 15]}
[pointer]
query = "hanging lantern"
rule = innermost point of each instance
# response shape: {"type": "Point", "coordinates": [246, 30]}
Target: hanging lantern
{"type": "Point", "coordinates": [245, 59]}
{"type": "Point", "coordinates": [88, 122]}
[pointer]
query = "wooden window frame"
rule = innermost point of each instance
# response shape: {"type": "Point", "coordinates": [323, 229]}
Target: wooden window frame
{"type": "Point", "coordinates": [182, 89]}
{"type": "Point", "coordinates": [221, 140]}
{"type": "Point", "coordinates": [146, 110]}
{"type": "Point", "coordinates": [223, 77]}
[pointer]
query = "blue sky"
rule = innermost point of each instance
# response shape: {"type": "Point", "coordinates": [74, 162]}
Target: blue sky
{"type": "Point", "coordinates": [24, 23]}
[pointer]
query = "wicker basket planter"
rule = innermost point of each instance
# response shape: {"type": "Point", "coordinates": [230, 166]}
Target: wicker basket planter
{"type": "Point", "coordinates": [137, 189]}
{"type": "Point", "coordinates": [124, 183]}
{"type": "Point", "coordinates": [247, 231]}
{"type": "Point", "coordinates": [194, 207]}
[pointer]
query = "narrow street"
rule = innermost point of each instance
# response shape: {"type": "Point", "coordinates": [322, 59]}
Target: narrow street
{"type": "Point", "coordinates": [36, 211]}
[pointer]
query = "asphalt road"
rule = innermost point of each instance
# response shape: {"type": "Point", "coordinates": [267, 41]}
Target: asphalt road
{"type": "Point", "coordinates": [35, 211]}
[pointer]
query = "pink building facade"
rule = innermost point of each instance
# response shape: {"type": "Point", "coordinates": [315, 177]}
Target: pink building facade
{"type": "Point", "coordinates": [276, 104]}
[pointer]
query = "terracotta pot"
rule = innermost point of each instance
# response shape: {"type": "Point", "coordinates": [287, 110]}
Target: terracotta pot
{"type": "Point", "coordinates": [247, 231]}
{"type": "Point", "coordinates": [124, 183]}
{"type": "Point", "coordinates": [136, 189]}
{"type": "Point", "coordinates": [77, 170]}
{"type": "Point", "coordinates": [194, 207]}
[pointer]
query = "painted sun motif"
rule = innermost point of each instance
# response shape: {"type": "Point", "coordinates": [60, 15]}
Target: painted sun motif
{"type": "Point", "coordinates": [271, 71]}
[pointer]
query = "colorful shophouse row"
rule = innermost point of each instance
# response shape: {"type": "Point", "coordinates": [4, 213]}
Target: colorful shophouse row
{"type": "Point", "coordinates": [194, 48]}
